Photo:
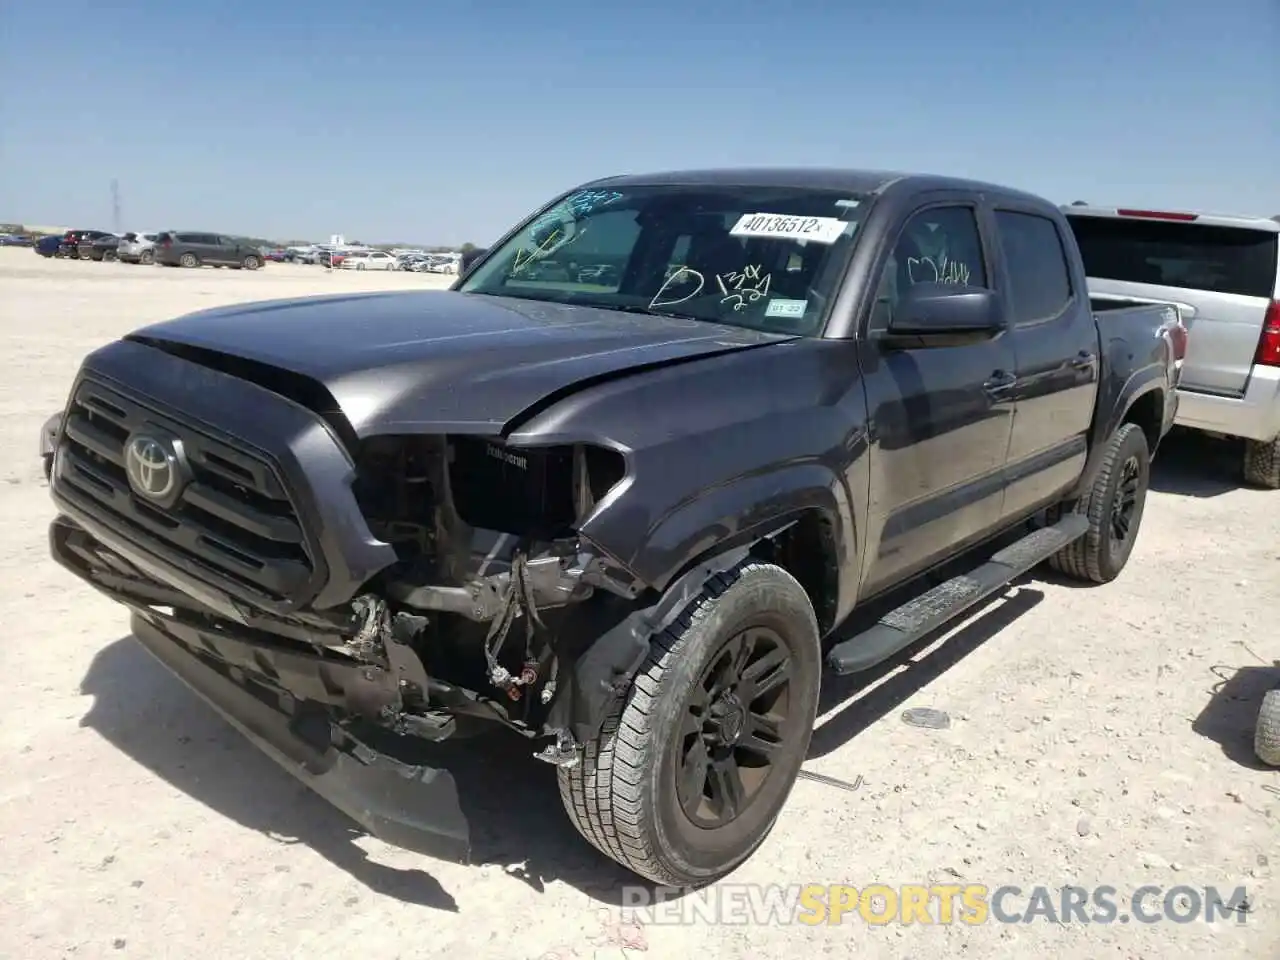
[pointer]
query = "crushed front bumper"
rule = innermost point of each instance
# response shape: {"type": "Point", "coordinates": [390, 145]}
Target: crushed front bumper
{"type": "Point", "coordinates": [405, 804]}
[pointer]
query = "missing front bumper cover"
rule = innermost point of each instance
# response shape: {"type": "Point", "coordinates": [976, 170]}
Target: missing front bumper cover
{"type": "Point", "coordinates": [408, 805]}
{"type": "Point", "coordinates": [553, 581]}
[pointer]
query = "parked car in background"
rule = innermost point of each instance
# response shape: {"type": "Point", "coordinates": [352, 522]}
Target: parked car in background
{"type": "Point", "coordinates": [103, 248]}
{"type": "Point", "coordinates": [48, 246]}
{"type": "Point", "coordinates": [370, 260]}
{"type": "Point", "coordinates": [16, 240]}
{"type": "Point", "coordinates": [137, 247]}
{"type": "Point", "coordinates": [276, 256]}
{"type": "Point", "coordinates": [470, 257]}
{"type": "Point", "coordinates": [186, 248]}
{"type": "Point", "coordinates": [334, 258]}
{"type": "Point", "coordinates": [604, 274]}
{"type": "Point", "coordinates": [71, 240]}
{"type": "Point", "coordinates": [413, 262]}
{"type": "Point", "coordinates": [1223, 275]}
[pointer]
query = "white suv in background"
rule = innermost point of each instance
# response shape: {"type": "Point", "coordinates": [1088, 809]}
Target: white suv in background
{"type": "Point", "coordinates": [1223, 275]}
{"type": "Point", "coordinates": [137, 247]}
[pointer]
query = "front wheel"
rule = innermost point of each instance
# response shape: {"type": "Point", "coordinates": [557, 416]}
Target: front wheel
{"type": "Point", "coordinates": [1114, 506]}
{"type": "Point", "coordinates": [694, 762]}
{"type": "Point", "coordinates": [251, 263]}
{"type": "Point", "coordinates": [189, 260]}
{"type": "Point", "coordinates": [147, 257]}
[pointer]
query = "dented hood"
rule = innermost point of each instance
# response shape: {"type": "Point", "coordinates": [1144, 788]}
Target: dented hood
{"type": "Point", "coordinates": [444, 361]}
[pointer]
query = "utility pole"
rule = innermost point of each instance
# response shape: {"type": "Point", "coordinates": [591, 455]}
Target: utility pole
{"type": "Point", "coordinates": [115, 206]}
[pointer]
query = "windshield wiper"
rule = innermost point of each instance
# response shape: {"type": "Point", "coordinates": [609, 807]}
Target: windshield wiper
{"type": "Point", "coordinates": [647, 311]}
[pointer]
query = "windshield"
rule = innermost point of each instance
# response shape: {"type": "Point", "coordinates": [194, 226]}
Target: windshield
{"type": "Point", "coordinates": [766, 258]}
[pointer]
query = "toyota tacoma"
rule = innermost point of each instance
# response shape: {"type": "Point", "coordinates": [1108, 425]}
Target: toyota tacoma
{"type": "Point", "coordinates": [623, 514]}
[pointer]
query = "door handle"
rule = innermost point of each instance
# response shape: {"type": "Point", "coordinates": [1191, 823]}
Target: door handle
{"type": "Point", "coordinates": [999, 384]}
{"type": "Point", "coordinates": [1084, 360]}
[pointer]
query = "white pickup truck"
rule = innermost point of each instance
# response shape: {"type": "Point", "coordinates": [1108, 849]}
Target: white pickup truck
{"type": "Point", "coordinates": [1223, 275]}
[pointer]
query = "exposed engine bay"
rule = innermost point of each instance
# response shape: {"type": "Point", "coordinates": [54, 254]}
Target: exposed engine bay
{"type": "Point", "coordinates": [487, 558]}
{"type": "Point", "coordinates": [484, 605]}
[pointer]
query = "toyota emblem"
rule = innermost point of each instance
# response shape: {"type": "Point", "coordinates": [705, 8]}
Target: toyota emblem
{"type": "Point", "coordinates": [152, 467]}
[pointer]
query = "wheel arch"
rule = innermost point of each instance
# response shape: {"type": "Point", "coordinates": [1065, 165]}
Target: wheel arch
{"type": "Point", "coordinates": [609, 662]}
{"type": "Point", "coordinates": [1142, 401]}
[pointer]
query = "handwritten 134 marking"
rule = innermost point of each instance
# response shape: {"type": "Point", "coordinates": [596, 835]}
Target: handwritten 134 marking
{"type": "Point", "coordinates": [737, 287]}
{"type": "Point", "coordinates": [743, 288]}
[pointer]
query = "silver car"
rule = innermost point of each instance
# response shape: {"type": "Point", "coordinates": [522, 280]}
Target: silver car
{"type": "Point", "coordinates": [137, 247]}
{"type": "Point", "coordinates": [1223, 275]}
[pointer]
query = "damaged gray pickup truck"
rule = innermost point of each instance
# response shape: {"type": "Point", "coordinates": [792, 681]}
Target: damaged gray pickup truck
{"type": "Point", "coordinates": [617, 490]}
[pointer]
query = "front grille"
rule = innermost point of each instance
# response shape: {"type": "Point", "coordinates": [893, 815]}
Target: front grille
{"type": "Point", "coordinates": [232, 521]}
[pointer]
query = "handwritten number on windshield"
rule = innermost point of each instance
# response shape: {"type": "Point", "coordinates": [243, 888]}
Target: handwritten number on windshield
{"type": "Point", "coordinates": [738, 288]}
{"type": "Point", "coordinates": [744, 288]}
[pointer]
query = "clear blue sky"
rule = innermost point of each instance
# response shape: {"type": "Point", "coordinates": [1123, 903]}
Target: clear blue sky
{"type": "Point", "coordinates": [445, 122]}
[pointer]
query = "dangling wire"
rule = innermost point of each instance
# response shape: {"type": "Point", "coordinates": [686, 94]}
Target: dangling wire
{"type": "Point", "coordinates": [517, 594]}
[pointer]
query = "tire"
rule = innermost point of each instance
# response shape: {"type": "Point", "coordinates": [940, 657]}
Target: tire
{"type": "Point", "coordinates": [84, 254]}
{"type": "Point", "coordinates": [251, 262]}
{"type": "Point", "coordinates": [1266, 735]}
{"type": "Point", "coordinates": [623, 795]}
{"type": "Point", "coordinates": [147, 257]}
{"type": "Point", "coordinates": [189, 260]}
{"type": "Point", "coordinates": [1262, 463]}
{"type": "Point", "coordinates": [359, 266]}
{"type": "Point", "coordinates": [1119, 490]}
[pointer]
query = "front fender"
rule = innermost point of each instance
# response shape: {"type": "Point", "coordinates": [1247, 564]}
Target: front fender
{"type": "Point", "coordinates": [730, 515]}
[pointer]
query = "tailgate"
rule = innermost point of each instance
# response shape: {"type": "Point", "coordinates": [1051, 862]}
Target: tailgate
{"type": "Point", "coordinates": [1222, 279]}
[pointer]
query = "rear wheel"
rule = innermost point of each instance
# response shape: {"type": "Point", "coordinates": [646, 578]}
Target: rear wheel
{"type": "Point", "coordinates": [189, 260]}
{"type": "Point", "coordinates": [1262, 463]}
{"type": "Point", "coordinates": [1114, 506]}
{"type": "Point", "coordinates": [147, 256]}
{"type": "Point", "coordinates": [85, 254]}
{"type": "Point", "coordinates": [695, 761]}
{"type": "Point", "coordinates": [1266, 736]}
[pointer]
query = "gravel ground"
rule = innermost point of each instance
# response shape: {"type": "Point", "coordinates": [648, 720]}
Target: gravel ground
{"type": "Point", "coordinates": [1098, 736]}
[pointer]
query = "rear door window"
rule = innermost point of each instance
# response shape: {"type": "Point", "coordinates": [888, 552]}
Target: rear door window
{"type": "Point", "coordinates": [1232, 260]}
{"type": "Point", "coordinates": [1039, 281]}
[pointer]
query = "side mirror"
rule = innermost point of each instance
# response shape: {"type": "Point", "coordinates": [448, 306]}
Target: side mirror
{"type": "Point", "coordinates": [947, 312]}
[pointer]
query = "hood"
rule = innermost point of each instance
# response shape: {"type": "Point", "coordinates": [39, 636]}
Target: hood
{"type": "Point", "coordinates": [440, 361]}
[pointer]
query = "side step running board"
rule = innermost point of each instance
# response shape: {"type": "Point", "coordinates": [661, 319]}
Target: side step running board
{"type": "Point", "coordinates": [916, 618]}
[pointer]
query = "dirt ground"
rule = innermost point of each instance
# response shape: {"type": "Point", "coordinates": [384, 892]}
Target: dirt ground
{"type": "Point", "coordinates": [1098, 736]}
